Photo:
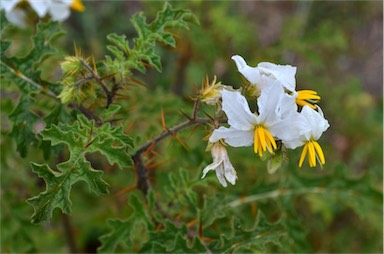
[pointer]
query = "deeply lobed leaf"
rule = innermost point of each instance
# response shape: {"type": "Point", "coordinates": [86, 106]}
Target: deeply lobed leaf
{"type": "Point", "coordinates": [81, 137]}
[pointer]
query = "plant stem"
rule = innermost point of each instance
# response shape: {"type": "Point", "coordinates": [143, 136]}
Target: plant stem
{"type": "Point", "coordinates": [30, 81]}
{"type": "Point", "coordinates": [100, 81]}
{"type": "Point", "coordinates": [142, 172]}
{"type": "Point", "coordinates": [68, 232]}
{"type": "Point", "coordinates": [172, 131]}
{"type": "Point", "coordinates": [273, 194]}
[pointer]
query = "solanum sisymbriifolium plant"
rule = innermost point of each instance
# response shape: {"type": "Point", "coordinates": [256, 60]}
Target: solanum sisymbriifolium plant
{"type": "Point", "coordinates": [95, 132]}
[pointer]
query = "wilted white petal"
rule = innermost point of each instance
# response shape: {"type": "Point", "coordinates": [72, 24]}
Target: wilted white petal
{"type": "Point", "coordinates": [237, 110]}
{"type": "Point", "coordinates": [230, 173]}
{"type": "Point", "coordinates": [220, 175]}
{"type": "Point", "coordinates": [210, 167]}
{"type": "Point", "coordinates": [222, 165]}
{"type": "Point", "coordinates": [232, 136]}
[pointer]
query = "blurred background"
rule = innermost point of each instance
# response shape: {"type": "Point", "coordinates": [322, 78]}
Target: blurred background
{"type": "Point", "coordinates": [337, 47]}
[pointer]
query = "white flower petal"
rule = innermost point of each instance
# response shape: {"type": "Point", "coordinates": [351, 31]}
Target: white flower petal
{"type": "Point", "coordinates": [210, 167]}
{"type": "Point", "coordinates": [222, 165]}
{"type": "Point", "coordinates": [40, 7]}
{"type": "Point", "coordinates": [232, 136]}
{"type": "Point", "coordinates": [316, 121]}
{"type": "Point", "coordinates": [59, 11]}
{"type": "Point", "coordinates": [289, 130]}
{"type": "Point", "coordinates": [285, 74]}
{"type": "Point", "coordinates": [8, 5]}
{"type": "Point", "coordinates": [252, 74]}
{"type": "Point", "coordinates": [237, 110]}
{"type": "Point", "coordinates": [220, 175]}
{"type": "Point", "coordinates": [17, 17]}
{"type": "Point", "coordinates": [268, 103]}
{"type": "Point", "coordinates": [229, 171]}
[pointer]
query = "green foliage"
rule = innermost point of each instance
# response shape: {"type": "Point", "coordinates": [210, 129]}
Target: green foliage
{"type": "Point", "coordinates": [24, 73]}
{"type": "Point", "coordinates": [142, 54]}
{"type": "Point", "coordinates": [123, 232]}
{"type": "Point", "coordinates": [81, 137]}
{"type": "Point", "coordinates": [275, 207]}
{"type": "Point", "coordinates": [23, 121]}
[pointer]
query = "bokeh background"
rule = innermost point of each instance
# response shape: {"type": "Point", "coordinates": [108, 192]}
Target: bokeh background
{"type": "Point", "coordinates": [337, 47]}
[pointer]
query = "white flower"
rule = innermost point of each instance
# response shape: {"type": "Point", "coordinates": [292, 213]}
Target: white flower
{"type": "Point", "coordinates": [277, 118]}
{"type": "Point", "coordinates": [57, 9]}
{"type": "Point", "coordinates": [265, 73]}
{"type": "Point", "coordinates": [222, 165]}
{"type": "Point", "coordinates": [17, 17]}
{"type": "Point", "coordinates": [8, 5]}
{"type": "Point", "coordinates": [312, 125]}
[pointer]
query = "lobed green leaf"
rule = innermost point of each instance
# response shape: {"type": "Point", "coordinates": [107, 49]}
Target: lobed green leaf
{"type": "Point", "coordinates": [81, 137]}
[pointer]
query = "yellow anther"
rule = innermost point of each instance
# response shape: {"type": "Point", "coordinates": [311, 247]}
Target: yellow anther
{"type": "Point", "coordinates": [307, 97]}
{"type": "Point", "coordinates": [263, 140]}
{"type": "Point", "coordinates": [77, 5]}
{"type": "Point", "coordinates": [314, 151]}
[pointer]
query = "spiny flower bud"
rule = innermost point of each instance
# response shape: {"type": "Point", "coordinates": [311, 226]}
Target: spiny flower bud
{"type": "Point", "coordinates": [74, 90]}
{"type": "Point", "coordinates": [71, 65]}
{"type": "Point", "coordinates": [210, 93]}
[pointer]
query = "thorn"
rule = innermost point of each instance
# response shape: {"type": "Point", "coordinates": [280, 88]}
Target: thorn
{"type": "Point", "coordinates": [178, 216]}
{"type": "Point", "coordinates": [149, 161]}
{"type": "Point", "coordinates": [191, 223]}
{"type": "Point", "coordinates": [138, 82]}
{"type": "Point", "coordinates": [155, 153]}
{"type": "Point", "coordinates": [193, 130]}
{"type": "Point", "coordinates": [254, 209]}
{"type": "Point", "coordinates": [201, 229]}
{"type": "Point", "coordinates": [181, 143]}
{"type": "Point", "coordinates": [210, 117]}
{"type": "Point", "coordinates": [94, 65]}
{"type": "Point", "coordinates": [163, 120]}
{"type": "Point", "coordinates": [108, 76]}
{"type": "Point", "coordinates": [125, 190]}
{"type": "Point", "coordinates": [207, 137]}
{"type": "Point", "coordinates": [184, 114]}
{"type": "Point", "coordinates": [129, 127]}
{"type": "Point", "coordinates": [155, 165]}
{"type": "Point", "coordinates": [149, 148]}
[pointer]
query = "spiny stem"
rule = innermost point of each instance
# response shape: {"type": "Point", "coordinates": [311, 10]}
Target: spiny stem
{"type": "Point", "coordinates": [83, 110]}
{"type": "Point", "coordinates": [100, 81]}
{"type": "Point", "coordinates": [142, 171]}
{"type": "Point", "coordinates": [30, 81]}
{"type": "Point", "coordinates": [172, 131]}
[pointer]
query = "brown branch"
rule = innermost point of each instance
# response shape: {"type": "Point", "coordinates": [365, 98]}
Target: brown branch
{"type": "Point", "coordinates": [88, 113]}
{"type": "Point", "coordinates": [170, 132]}
{"type": "Point", "coordinates": [142, 171]}
{"type": "Point", "coordinates": [69, 234]}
